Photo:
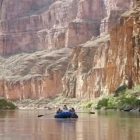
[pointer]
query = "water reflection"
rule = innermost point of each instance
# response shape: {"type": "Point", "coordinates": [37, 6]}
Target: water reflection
{"type": "Point", "coordinates": [21, 125]}
{"type": "Point", "coordinates": [67, 127]}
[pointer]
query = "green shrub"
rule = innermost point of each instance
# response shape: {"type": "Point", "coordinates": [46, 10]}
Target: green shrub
{"type": "Point", "coordinates": [112, 103]}
{"type": "Point", "coordinates": [4, 104]}
{"type": "Point", "coordinates": [118, 102]}
{"type": "Point", "coordinates": [137, 88]}
{"type": "Point", "coordinates": [87, 104]}
{"type": "Point", "coordinates": [125, 101]}
{"type": "Point", "coordinates": [11, 105]}
{"type": "Point", "coordinates": [125, 97]}
{"type": "Point", "coordinates": [102, 103]}
{"type": "Point", "coordinates": [137, 103]}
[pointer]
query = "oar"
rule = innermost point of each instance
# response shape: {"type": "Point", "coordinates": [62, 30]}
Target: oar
{"type": "Point", "coordinates": [45, 114]}
{"type": "Point", "coordinates": [91, 112]}
{"type": "Point", "coordinates": [76, 112]}
{"type": "Point", "coordinates": [87, 112]}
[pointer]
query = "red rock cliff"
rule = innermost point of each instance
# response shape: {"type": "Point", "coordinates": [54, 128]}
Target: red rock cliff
{"type": "Point", "coordinates": [48, 24]}
{"type": "Point", "coordinates": [36, 75]}
{"type": "Point", "coordinates": [102, 64]}
{"type": "Point", "coordinates": [98, 66]}
{"type": "Point", "coordinates": [54, 24]}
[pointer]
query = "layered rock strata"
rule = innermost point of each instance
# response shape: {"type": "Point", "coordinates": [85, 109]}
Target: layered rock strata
{"type": "Point", "coordinates": [54, 24]}
{"type": "Point", "coordinates": [48, 24]}
{"type": "Point", "coordinates": [101, 65]}
{"type": "Point", "coordinates": [36, 75]}
{"type": "Point", "coordinates": [86, 74]}
{"type": "Point", "coordinates": [97, 67]}
{"type": "Point", "coordinates": [29, 30]}
{"type": "Point", "coordinates": [114, 9]}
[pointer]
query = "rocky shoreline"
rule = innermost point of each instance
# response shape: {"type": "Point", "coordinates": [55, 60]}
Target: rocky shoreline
{"type": "Point", "coordinates": [125, 100]}
{"type": "Point", "coordinates": [58, 102]}
{"type": "Point", "coordinates": [51, 103]}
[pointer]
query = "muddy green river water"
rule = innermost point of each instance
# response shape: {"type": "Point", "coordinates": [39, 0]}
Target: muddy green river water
{"type": "Point", "coordinates": [111, 125]}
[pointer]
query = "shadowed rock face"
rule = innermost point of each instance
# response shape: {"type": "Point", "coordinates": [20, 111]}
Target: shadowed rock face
{"type": "Point", "coordinates": [12, 9]}
{"type": "Point", "coordinates": [31, 25]}
{"type": "Point", "coordinates": [25, 26]}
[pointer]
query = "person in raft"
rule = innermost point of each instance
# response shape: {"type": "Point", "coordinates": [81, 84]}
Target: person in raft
{"type": "Point", "coordinates": [72, 110]}
{"type": "Point", "coordinates": [59, 111]}
{"type": "Point", "coordinates": [65, 108]}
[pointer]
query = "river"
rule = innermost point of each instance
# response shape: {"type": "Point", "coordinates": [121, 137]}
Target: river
{"type": "Point", "coordinates": [111, 125]}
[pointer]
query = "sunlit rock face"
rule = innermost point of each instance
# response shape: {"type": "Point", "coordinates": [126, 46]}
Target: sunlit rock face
{"type": "Point", "coordinates": [86, 77]}
{"type": "Point", "coordinates": [96, 67]}
{"type": "Point", "coordinates": [35, 75]}
{"type": "Point", "coordinates": [103, 64]}
{"type": "Point", "coordinates": [124, 51]}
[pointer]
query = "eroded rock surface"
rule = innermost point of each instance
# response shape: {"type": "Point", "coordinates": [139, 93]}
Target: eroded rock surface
{"type": "Point", "coordinates": [114, 9]}
{"type": "Point", "coordinates": [33, 76]}
{"type": "Point", "coordinates": [85, 77]}
{"type": "Point", "coordinates": [27, 26]}
{"type": "Point", "coordinates": [96, 67]}
{"type": "Point", "coordinates": [103, 64]}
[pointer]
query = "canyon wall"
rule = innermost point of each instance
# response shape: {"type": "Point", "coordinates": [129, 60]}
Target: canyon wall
{"type": "Point", "coordinates": [114, 9]}
{"type": "Point", "coordinates": [103, 64]}
{"type": "Point", "coordinates": [27, 26]}
{"type": "Point", "coordinates": [99, 62]}
{"type": "Point", "coordinates": [86, 74]}
{"type": "Point", "coordinates": [35, 75]}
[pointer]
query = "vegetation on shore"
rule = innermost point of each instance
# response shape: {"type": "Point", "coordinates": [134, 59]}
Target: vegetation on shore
{"type": "Point", "coordinates": [6, 105]}
{"type": "Point", "coordinates": [125, 99]}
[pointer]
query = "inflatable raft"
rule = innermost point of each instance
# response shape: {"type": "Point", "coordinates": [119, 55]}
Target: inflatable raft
{"type": "Point", "coordinates": [66, 115]}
